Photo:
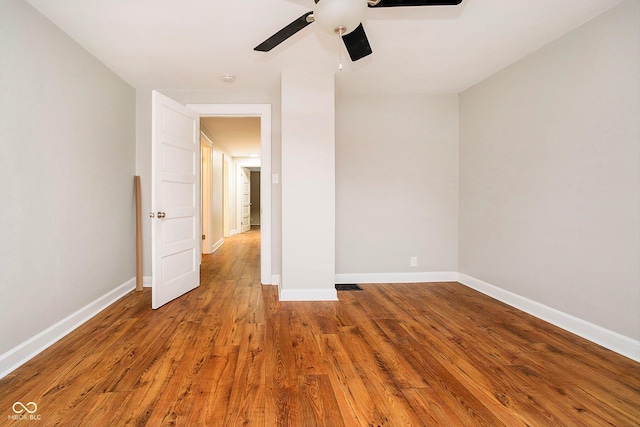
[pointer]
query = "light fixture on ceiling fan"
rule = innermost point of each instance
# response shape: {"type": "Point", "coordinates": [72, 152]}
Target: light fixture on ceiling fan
{"type": "Point", "coordinates": [339, 16]}
{"type": "Point", "coordinates": [344, 18]}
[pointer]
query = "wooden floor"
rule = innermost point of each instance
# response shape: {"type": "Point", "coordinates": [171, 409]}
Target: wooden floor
{"type": "Point", "coordinates": [228, 353]}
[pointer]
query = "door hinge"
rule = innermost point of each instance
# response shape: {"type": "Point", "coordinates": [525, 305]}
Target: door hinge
{"type": "Point", "coordinates": [203, 237]}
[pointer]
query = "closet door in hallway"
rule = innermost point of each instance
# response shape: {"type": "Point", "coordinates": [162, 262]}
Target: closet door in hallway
{"type": "Point", "coordinates": [245, 176]}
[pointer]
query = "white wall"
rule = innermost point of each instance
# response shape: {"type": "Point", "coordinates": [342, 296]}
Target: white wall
{"type": "Point", "coordinates": [396, 183]}
{"type": "Point", "coordinates": [308, 186]}
{"type": "Point", "coordinates": [550, 174]}
{"type": "Point", "coordinates": [67, 144]}
{"type": "Point", "coordinates": [143, 169]}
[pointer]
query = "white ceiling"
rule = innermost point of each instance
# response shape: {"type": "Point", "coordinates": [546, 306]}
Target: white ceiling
{"type": "Point", "coordinates": [189, 44]}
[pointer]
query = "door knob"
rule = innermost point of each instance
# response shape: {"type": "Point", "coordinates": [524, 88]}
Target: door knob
{"type": "Point", "coordinates": [161, 215]}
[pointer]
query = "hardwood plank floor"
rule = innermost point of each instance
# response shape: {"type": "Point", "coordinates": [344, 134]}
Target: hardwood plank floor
{"type": "Point", "coordinates": [229, 353]}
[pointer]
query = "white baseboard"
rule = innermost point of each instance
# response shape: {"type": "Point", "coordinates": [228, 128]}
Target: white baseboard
{"type": "Point", "coordinates": [405, 277]}
{"type": "Point", "coordinates": [217, 245]}
{"type": "Point", "coordinates": [22, 353]}
{"type": "Point", "coordinates": [275, 280]}
{"type": "Point", "coordinates": [609, 339]}
{"type": "Point", "coordinates": [232, 232]}
{"type": "Point", "coordinates": [308, 294]}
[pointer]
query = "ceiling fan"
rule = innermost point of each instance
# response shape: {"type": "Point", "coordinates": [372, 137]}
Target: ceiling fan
{"type": "Point", "coordinates": [344, 18]}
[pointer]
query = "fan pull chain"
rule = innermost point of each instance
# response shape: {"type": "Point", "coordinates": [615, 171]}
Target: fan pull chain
{"type": "Point", "coordinates": [340, 50]}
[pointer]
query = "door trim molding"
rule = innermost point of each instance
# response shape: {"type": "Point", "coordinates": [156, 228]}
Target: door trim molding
{"type": "Point", "coordinates": [264, 112]}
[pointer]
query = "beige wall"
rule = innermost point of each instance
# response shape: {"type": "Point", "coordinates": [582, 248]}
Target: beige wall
{"type": "Point", "coordinates": [550, 174]}
{"type": "Point", "coordinates": [396, 183]}
{"type": "Point", "coordinates": [67, 144]}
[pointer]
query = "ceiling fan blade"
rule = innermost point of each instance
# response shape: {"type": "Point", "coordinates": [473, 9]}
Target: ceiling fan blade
{"type": "Point", "coordinates": [394, 3]}
{"type": "Point", "coordinates": [284, 34]}
{"type": "Point", "coordinates": [357, 43]}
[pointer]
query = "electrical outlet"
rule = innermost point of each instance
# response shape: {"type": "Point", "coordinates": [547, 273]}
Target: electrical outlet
{"type": "Point", "coordinates": [413, 261]}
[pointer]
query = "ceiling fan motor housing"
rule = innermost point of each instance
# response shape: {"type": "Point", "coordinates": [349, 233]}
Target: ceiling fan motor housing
{"type": "Point", "coordinates": [339, 16]}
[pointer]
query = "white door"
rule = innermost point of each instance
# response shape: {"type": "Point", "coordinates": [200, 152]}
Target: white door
{"type": "Point", "coordinates": [246, 199]}
{"type": "Point", "coordinates": [225, 196]}
{"type": "Point", "coordinates": [175, 199]}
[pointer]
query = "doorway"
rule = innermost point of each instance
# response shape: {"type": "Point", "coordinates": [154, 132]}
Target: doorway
{"type": "Point", "coordinates": [263, 112]}
{"type": "Point", "coordinates": [254, 214]}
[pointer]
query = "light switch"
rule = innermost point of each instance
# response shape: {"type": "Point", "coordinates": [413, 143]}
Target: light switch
{"type": "Point", "coordinates": [275, 178]}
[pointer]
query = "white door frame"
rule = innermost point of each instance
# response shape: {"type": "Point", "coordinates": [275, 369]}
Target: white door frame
{"type": "Point", "coordinates": [206, 178]}
{"type": "Point", "coordinates": [264, 112]}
